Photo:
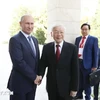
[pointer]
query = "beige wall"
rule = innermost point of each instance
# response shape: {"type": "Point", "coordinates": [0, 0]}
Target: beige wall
{"type": "Point", "coordinates": [67, 13]}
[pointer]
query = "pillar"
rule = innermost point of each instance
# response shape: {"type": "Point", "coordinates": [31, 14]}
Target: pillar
{"type": "Point", "coordinates": [66, 13]}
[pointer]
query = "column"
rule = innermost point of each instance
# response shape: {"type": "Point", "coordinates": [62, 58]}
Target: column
{"type": "Point", "coordinates": [66, 13]}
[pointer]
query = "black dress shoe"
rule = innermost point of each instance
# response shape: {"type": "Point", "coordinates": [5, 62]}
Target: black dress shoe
{"type": "Point", "coordinates": [78, 97]}
{"type": "Point", "coordinates": [95, 99]}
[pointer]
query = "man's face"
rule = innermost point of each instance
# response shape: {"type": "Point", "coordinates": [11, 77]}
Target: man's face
{"type": "Point", "coordinates": [27, 24]}
{"type": "Point", "coordinates": [85, 30]}
{"type": "Point", "coordinates": [58, 34]}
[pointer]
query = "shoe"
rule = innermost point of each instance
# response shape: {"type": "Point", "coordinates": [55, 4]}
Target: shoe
{"type": "Point", "coordinates": [78, 98]}
{"type": "Point", "coordinates": [95, 99]}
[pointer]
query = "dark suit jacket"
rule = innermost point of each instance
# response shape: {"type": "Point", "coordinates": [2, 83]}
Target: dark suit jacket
{"type": "Point", "coordinates": [99, 58]}
{"type": "Point", "coordinates": [24, 62]}
{"type": "Point", "coordinates": [90, 52]}
{"type": "Point", "coordinates": [63, 74]}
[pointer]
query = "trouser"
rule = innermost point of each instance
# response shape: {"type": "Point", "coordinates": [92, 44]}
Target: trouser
{"type": "Point", "coordinates": [84, 82]}
{"type": "Point", "coordinates": [96, 91]}
{"type": "Point", "coordinates": [22, 96]}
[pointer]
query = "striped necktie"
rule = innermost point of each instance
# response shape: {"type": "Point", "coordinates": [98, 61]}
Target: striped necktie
{"type": "Point", "coordinates": [32, 46]}
{"type": "Point", "coordinates": [57, 52]}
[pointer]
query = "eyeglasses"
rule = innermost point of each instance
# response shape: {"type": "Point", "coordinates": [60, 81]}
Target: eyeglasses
{"type": "Point", "coordinates": [84, 29]}
{"type": "Point", "coordinates": [58, 32]}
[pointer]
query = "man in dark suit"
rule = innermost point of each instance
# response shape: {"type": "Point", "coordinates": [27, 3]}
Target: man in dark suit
{"type": "Point", "coordinates": [62, 61]}
{"type": "Point", "coordinates": [88, 53]}
{"type": "Point", "coordinates": [96, 87]}
{"type": "Point", "coordinates": [24, 53]}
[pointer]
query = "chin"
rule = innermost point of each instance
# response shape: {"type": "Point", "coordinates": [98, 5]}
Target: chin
{"type": "Point", "coordinates": [28, 32]}
{"type": "Point", "coordinates": [58, 41]}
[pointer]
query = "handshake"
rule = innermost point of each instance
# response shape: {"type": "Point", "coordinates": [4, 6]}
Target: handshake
{"type": "Point", "coordinates": [38, 80]}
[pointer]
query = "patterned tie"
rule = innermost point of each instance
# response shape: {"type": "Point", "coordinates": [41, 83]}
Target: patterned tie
{"type": "Point", "coordinates": [31, 44]}
{"type": "Point", "coordinates": [82, 42]}
{"type": "Point", "coordinates": [81, 45]}
{"type": "Point", "coordinates": [57, 52]}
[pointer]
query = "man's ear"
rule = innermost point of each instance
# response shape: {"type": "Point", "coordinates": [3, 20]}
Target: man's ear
{"type": "Point", "coordinates": [20, 23]}
{"type": "Point", "coordinates": [51, 34]}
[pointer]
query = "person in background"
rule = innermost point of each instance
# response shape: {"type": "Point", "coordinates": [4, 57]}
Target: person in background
{"type": "Point", "coordinates": [24, 53]}
{"type": "Point", "coordinates": [88, 55]}
{"type": "Point", "coordinates": [96, 87]}
{"type": "Point", "coordinates": [61, 58]}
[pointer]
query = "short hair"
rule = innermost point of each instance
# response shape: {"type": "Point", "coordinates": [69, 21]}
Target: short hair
{"type": "Point", "coordinates": [86, 24]}
{"type": "Point", "coordinates": [59, 26]}
{"type": "Point", "coordinates": [24, 16]}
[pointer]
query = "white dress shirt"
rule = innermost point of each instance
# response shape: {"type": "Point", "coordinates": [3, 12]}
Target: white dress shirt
{"type": "Point", "coordinates": [81, 57]}
{"type": "Point", "coordinates": [26, 35]}
{"type": "Point", "coordinates": [60, 47]}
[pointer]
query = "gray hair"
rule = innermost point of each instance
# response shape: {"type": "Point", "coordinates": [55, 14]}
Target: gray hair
{"type": "Point", "coordinates": [58, 26]}
{"type": "Point", "coordinates": [24, 16]}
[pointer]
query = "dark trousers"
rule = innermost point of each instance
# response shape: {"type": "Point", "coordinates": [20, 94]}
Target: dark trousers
{"type": "Point", "coordinates": [84, 82]}
{"type": "Point", "coordinates": [22, 96]}
{"type": "Point", "coordinates": [96, 91]}
{"type": "Point", "coordinates": [54, 95]}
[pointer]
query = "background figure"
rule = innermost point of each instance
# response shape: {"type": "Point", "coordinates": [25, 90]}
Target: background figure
{"type": "Point", "coordinates": [96, 87]}
{"type": "Point", "coordinates": [62, 61]}
{"type": "Point", "coordinates": [24, 53]}
{"type": "Point", "coordinates": [88, 55]}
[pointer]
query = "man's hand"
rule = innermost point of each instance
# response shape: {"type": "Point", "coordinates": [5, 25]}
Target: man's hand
{"type": "Point", "coordinates": [93, 69]}
{"type": "Point", "coordinates": [73, 93]}
{"type": "Point", "coordinates": [38, 80]}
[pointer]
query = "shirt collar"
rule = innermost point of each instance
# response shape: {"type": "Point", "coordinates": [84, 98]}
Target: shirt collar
{"type": "Point", "coordinates": [61, 44]}
{"type": "Point", "coordinates": [86, 36]}
{"type": "Point", "coordinates": [26, 35]}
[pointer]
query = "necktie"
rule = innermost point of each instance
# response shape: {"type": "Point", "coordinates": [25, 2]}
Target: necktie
{"type": "Point", "coordinates": [57, 52]}
{"type": "Point", "coordinates": [81, 45]}
{"type": "Point", "coordinates": [32, 45]}
{"type": "Point", "coordinates": [82, 42]}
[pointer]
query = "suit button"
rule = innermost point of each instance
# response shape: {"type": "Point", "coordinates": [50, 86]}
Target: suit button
{"type": "Point", "coordinates": [56, 70]}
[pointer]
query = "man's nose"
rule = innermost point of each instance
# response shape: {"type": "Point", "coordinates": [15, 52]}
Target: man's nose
{"type": "Point", "coordinates": [30, 26]}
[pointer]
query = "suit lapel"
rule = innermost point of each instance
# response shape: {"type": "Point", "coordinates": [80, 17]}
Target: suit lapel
{"type": "Point", "coordinates": [26, 43]}
{"type": "Point", "coordinates": [78, 41]}
{"type": "Point", "coordinates": [36, 45]}
{"type": "Point", "coordinates": [65, 50]}
{"type": "Point", "coordinates": [52, 50]}
{"type": "Point", "coordinates": [87, 41]}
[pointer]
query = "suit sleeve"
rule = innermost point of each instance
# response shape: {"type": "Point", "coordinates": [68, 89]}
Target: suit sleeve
{"type": "Point", "coordinates": [18, 61]}
{"type": "Point", "coordinates": [43, 62]}
{"type": "Point", "coordinates": [75, 41]}
{"type": "Point", "coordinates": [74, 70]}
{"type": "Point", "coordinates": [99, 58]}
{"type": "Point", "coordinates": [95, 53]}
